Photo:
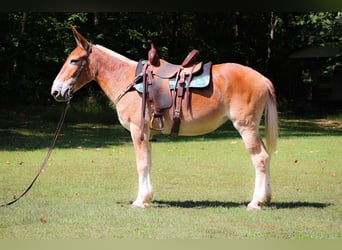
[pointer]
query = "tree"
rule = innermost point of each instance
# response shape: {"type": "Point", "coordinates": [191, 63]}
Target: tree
{"type": "Point", "coordinates": [34, 45]}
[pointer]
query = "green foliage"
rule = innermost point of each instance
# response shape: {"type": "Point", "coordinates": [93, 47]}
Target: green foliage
{"type": "Point", "coordinates": [318, 28]}
{"type": "Point", "coordinates": [34, 45]}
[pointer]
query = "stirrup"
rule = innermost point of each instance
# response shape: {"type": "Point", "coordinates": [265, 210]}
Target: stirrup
{"type": "Point", "coordinates": [157, 122]}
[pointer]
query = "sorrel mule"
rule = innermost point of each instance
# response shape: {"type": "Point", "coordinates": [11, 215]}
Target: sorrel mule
{"type": "Point", "coordinates": [237, 93]}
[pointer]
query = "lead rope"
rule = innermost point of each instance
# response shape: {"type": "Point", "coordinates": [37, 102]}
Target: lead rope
{"type": "Point", "coordinates": [52, 145]}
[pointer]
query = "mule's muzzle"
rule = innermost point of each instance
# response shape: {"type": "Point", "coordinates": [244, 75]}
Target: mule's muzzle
{"type": "Point", "coordinates": [62, 92]}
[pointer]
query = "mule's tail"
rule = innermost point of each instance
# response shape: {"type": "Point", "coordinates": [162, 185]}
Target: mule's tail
{"type": "Point", "coordinates": [271, 118]}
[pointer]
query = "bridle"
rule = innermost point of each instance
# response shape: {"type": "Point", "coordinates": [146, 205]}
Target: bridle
{"type": "Point", "coordinates": [77, 74]}
{"type": "Point", "coordinates": [83, 63]}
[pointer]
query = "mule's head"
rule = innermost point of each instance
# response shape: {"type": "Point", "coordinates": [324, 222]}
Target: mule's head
{"type": "Point", "coordinates": [76, 71]}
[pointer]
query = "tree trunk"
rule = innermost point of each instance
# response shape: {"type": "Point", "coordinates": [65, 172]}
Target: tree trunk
{"type": "Point", "coordinates": [272, 27]}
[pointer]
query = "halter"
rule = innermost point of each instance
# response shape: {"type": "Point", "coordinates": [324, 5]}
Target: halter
{"type": "Point", "coordinates": [83, 63]}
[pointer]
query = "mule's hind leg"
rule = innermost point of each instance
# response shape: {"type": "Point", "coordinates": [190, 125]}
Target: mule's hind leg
{"type": "Point", "coordinates": [143, 161]}
{"type": "Point", "coordinates": [261, 161]}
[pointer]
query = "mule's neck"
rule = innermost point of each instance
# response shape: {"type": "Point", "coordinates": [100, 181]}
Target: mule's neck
{"type": "Point", "coordinates": [114, 72]}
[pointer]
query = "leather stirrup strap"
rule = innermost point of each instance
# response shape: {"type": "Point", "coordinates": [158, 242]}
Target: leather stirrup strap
{"type": "Point", "coordinates": [143, 101]}
{"type": "Point", "coordinates": [187, 92]}
{"type": "Point", "coordinates": [178, 104]}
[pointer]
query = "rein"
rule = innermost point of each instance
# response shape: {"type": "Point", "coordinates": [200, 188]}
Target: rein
{"type": "Point", "coordinates": [52, 145]}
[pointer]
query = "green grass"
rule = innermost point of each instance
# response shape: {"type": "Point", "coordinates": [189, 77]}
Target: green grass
{"type": "Point", "coordinates": [202, 184]}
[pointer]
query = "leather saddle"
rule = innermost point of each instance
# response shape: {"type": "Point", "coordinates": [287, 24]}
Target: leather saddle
{"type": "Point", "coordinates": [164, 85]}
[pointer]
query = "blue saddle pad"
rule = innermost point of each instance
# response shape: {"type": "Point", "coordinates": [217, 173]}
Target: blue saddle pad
{"type": "Point", "coordinates": [200, 80]}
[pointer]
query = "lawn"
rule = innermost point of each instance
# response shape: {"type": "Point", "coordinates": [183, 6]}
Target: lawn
{"type": "Point", "coordinates": [202, 184]}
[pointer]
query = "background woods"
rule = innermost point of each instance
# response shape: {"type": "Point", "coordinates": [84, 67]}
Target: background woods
{"type": "Point", "coordinates": [33, 47]}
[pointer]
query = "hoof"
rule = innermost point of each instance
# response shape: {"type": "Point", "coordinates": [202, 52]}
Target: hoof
{"type": "Point", "coordinates": [252, 206]}
{"type": "Point", "coordinates": [139, 205]}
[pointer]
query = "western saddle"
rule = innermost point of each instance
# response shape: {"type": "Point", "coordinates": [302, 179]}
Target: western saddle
{"type": "Point", "coordinates": [164, 85]}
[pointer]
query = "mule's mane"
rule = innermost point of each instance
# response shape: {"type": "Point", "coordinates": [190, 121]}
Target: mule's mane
{"type": "Point", "coordinates": [114, 54]}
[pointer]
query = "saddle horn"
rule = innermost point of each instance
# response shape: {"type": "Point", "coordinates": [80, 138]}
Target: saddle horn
{"type": "Point", "coordinates": [153, 56]}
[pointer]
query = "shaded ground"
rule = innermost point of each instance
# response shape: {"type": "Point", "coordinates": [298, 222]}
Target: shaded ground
{"type": "Point", "coordinates": [32, 127]}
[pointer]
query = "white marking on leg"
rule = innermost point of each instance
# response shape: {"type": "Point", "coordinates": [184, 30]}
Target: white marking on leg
{"type": "Point", "coordinates": [262, 189]}
{"type": "Point", "coordinates": [143, 159]}
{"type": "Point", "coordinates": [260, 159]}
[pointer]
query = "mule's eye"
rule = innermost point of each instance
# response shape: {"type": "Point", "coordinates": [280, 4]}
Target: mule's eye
{"type": "Point", "coordinates": [74, 61]}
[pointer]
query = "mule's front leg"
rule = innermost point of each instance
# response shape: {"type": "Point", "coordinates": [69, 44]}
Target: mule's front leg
{"type": "Point", "coordinates": [143, 160]}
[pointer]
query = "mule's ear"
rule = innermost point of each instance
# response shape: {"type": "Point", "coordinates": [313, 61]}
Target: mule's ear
{"type": "Point", "coordinates": [80, 40]}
